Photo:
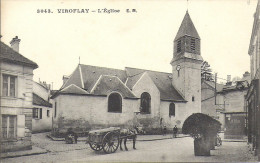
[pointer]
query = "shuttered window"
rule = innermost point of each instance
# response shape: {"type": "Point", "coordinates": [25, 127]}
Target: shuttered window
{"type": "Point", "coordinates": [179, 46]}
{"type": "Point", "coordinates": [192, 44]}
{"type": "Point", "coordinates": [37, 113]}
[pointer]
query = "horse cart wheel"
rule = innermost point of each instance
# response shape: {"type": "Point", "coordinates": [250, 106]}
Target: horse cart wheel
{"type": "Point", "coordinates": [95, 146]}
{"type": "Point", "coordinates": [110, 142]}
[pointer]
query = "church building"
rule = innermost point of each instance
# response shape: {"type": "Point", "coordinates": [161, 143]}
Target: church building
{"type": "Point", "coordinates": [98, 97]}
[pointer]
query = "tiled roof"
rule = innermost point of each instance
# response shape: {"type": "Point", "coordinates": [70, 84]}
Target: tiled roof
{"type": "Point", "coordinates": [73, 89]}
{"type": "Point", "coordinates": [212, 84]}
{"type": "Point", "coordinates": [102, 81]}
{"type": "Point", "coordinates": [162, 80]}
{"type": "Point", "coordinates": [37, 100]}
{"type": "Point", "coordinates": [9, 55]}
{"type": "Point", "coordinates": [90, 75]}
{"type": "Point", "coordinates": [244, 85]}
{"type": "Point", "coordinates": [107, 84]}
{"type": "Point", "coordinates": [187, 28]}
{"type": "Point", "coordinates": [75, 79]}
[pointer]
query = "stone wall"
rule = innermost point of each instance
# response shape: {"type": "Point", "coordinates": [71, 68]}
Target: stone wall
{"type": "Point", "coordinates": [19, 106]}
{"type": "Point", "coordinates": [88, 112]}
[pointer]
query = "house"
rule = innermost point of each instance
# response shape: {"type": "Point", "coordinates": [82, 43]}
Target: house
{"type": "Point", "coordinates": [209, 99]}
{"type": "Point", "coordinates": [98, 97]}
{"type": "Point", "coordinates": [253, 94]}
{"type": "Point", "coordinates": [16, 97]}
{"type": "Point", "coordinates": [42, 107]}
{"type": "Point", "coordinates": [232, 98]}
{"type": "Point", "coordinates": [226, 104]}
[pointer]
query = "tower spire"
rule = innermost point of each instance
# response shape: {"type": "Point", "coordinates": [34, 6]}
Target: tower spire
{"type": "Point", "coordinates": [187, 28]}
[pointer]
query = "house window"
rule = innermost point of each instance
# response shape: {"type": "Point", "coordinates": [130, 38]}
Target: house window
{"type": "Point", "coordinates": [48, 113]}
{"type": "Point", "coordinates": [192, 44]}
{"type": "Point", "coordinates": [115, 103]}
{"type": "Point", "coordinates": [9, 87]}
{"type": "Point", "coordinates": [193, 98]}
{"type": "Point", "coordinates": [179, 46]}
{"type": "Point", "coordinates": [172, 109]}
{"type": "Point", "coordinates": [37, 113]}
{"type": "Point", "coordinates": [145, 103]}
{"type": "Point", "coordinates": [9, 126]}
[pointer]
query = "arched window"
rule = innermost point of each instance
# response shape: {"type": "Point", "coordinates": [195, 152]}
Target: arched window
{"type": "Point", "coordinates": [115, 103]}
{"type": "Point", "coordinates": [145, 103]}
{"type": "Point", "coordinates": [172, 109]}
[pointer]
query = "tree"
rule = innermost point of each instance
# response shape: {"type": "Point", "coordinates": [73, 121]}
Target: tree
{"type": "Point", "coordinates": [206, 72]}
{"type": "Point", "coordinates": [203, 129]}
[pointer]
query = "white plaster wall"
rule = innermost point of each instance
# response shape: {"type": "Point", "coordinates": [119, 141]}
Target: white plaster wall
{"type": "Point", "coordinates": [171, 121]}
{"type": "Point", "coordinates": [23, 85]}
{"type": "Point", "coordinates": [189, 84]}
{"type": "Point", "coordinates": [234, 101]}
{"type": "Point", "coordinates": [43, 124]}
{"type": "Point", "coordinates": [20, 105]}
{"type": "Point", "coordinates": [93, 109]}
{"type": "Point", "coordinates": [145, 84]}
{"type": "Point", "coordinates": [40, 91]}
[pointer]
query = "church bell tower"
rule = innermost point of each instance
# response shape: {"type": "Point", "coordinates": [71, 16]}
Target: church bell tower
{"type": "Point", "coordinates": [186, 65]}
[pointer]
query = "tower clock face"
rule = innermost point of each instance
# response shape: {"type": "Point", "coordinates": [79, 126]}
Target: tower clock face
{"type": "Point", "coordinates": [178, 67]}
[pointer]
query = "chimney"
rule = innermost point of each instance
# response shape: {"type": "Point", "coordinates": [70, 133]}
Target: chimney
{"type": "Point", "coordinates": [229, 84]}
{"type": "Point", "coordinates": [15, 43]}
{"type": "Point", "coordinates": [228, 78]}
{"type": "Point", "coordinates": [65, 78]}
{"type": "Point", "coordinates": [246, 74]}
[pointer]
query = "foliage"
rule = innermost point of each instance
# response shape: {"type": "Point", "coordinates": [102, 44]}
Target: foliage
{"type": "Point", "coordinates": [206, 72]}
{"type": "Point", "coordinates": [201, 125]}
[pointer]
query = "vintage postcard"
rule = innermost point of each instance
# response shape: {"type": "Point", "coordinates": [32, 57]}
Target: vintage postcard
{"type": "Point", "coordinates": [129, 81]}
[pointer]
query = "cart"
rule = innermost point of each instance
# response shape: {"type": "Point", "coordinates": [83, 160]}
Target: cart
{"type": "Point", "coordinates": [106, 139]}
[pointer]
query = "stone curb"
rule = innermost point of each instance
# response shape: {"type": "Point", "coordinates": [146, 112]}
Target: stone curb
{"type": "Point", "coordinates": [162, 138]}
{"type": "Point", "coordinates": [234, 140]}
{"type": "Point", "coordinates": [63, 139]}
{"type": "Point", "coordinates": [23, 153]}
{"type": "Point", "coordinates": [55, 139]}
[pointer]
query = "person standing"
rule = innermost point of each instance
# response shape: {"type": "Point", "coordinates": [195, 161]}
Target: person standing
{"type": "Point", "coordinates": [175, 131]}
{"type": "Point", "coordinates": [164, 130]}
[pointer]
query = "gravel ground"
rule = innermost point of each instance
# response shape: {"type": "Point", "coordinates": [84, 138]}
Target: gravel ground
{"type": "Point", "coordinates": [168, 150]}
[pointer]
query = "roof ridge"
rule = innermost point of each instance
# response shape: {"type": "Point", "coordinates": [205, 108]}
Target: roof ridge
{"type": "Point", "coordinates": [74, 86]}
{"type": "Point", "coordinates": [102, 67]}
{"type": "Point", "coordinates": [148, 70]}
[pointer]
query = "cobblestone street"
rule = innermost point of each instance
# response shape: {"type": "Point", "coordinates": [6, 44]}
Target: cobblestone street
{"type": "Point", "coordinates": [41, 141]}
{"type": "Point", "coordinates": [173, 150]}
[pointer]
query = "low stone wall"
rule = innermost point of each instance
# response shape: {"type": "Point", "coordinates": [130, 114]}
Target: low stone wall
{"type": "Point", "coordinates": [11, 146]}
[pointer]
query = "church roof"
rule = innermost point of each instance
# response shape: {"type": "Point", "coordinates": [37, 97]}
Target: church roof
{"type": "Point", "coordinates": [73, 89]}
{"type": "Point", "coordinates": [107, 84]}
{"type": "Point", "coordinates": [187, 28]}
{"type": "Point", "coordinates": [102, 81]}
{"type": "Point", "coordinates": [91, 74]}
{"type": "Point", "coordinates": [162, 80]}
{"type": "Point", "coordinates": [10, 55]}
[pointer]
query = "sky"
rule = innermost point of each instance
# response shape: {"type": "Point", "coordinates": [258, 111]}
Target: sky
{"type": "Point", "coordinates": [141, 39]}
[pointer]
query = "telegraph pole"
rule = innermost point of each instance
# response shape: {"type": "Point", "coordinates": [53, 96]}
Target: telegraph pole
{"type": "Point", "coordinates": [216, 74]}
